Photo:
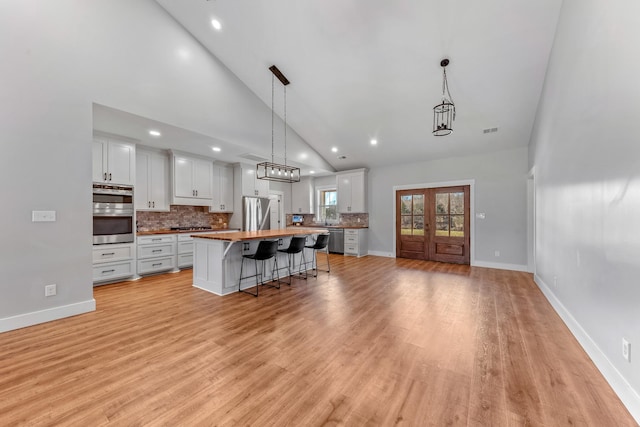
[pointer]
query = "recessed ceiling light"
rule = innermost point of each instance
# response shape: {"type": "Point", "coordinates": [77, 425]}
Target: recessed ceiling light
{"type": "Point", "coordinates": [374, 142]}
{"type": "Point", "coordinates": [216, 24]}
{"type": "Point", "coordinates": [312, 172]}
{"type": "Point", "coordinates": [215, 149]}
{"type": "Point", "coordinates": [334, 149]}
{"type": "Point", "coordinates": [154, 133]}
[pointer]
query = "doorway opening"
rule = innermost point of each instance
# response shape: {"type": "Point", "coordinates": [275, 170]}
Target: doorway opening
{"type": "Point", "coordinates": [434, 224]}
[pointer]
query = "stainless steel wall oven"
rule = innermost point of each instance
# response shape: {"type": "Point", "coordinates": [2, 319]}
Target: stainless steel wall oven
{"type": "Point", "coordinates": [112, 214]}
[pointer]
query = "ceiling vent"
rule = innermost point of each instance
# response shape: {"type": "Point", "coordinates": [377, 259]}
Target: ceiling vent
{"type": "Point", "coordinates": [253, 157]}
{"type": "Point", "coordinates": [489, 130]}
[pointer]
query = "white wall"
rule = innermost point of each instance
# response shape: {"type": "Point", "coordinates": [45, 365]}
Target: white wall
{"type": "Point", "coordinates": [57, 59]}
{"type": "Point", "coordinates": [500, 193]}
{"type": "Point", "coordinates": [587, 171]}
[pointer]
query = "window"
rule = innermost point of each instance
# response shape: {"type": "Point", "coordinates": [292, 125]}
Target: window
{"type": "Point", "coordinates": [412, 213]}
{"type": "Point", "coordinates": [450, 214]}
{"type": "Point", "coordinates": [328, 205]}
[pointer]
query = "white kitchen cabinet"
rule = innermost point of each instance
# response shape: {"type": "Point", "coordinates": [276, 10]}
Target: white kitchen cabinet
{"type": "Point", "coordinates": [152, 181]}
{"type": "Point", "coordinates": [352, 191]}
{"type": "Point", "coordinates": [185, 248]}
{"type": "Point", "coordinates": [246, 183]}
{"type": "Point", "coordinates": [302, 196]}
{"type": "Point", "coordinates": [192, 180]}
{"type": "Point", "coordinates": [222, 189]}
{"type": "Point", "coordinates": [356, 242]}
{"type": "Point", "coordinates": [112, 262]}
{"type": "Point", "coordinates": [113, 161]}
{"type": "Point", "coordinates": [156, 253]}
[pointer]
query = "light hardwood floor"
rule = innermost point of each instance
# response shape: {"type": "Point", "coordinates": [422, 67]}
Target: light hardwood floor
{"type": "Point", "coordinates": [377, 342]}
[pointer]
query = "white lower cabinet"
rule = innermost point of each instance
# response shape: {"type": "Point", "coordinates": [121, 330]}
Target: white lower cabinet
{"type": "Point", "coordinates": [355, 242]}
{"type": "Point", "coordinates": [185, 251]}
{"type": "Point", "coordinates": [156, 253]}
{"type": "Point", "coordinates": [112, 262]}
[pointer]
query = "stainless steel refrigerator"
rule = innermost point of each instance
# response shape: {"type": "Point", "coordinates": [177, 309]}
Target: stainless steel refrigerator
{"type": "Point", "coordinates": [256, 213]}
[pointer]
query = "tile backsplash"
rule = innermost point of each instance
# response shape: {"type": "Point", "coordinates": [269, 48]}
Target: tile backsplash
{"type": "Point", "coordinates": [347, 220]}
{"type": "Point", "coordinates": [181, 216]}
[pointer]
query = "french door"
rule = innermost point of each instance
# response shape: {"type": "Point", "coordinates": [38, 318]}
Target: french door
{"type": "Point", "coordinates": [433, 224]}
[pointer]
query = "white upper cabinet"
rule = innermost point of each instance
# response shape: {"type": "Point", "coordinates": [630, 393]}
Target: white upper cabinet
{"type": "Point", "coordinates": [352, 191]}
{"type": "Point", "coordinates": [222, 189]}
{"type": "Point", "coordinates": [192, 180]}
{"type": "Point", "coordinates": [152, 181]}
{"type": "Point", "coordinates": [302, 196]}
{"type": "Point", "coordinates": [113, 161]}
{"type": "Point", "coordinates": [245, 179]}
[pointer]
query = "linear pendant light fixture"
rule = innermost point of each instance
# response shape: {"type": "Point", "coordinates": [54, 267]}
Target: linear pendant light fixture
{"type": "Point", "coordinates": [444, 113]}
{"type": "Point", "coordinates": [272, 171]}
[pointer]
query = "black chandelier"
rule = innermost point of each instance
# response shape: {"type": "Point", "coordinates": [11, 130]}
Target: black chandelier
{"type": "Point", "coordinates": [272, 171]}
{"type": "Point", "coordinates": [444, 113]}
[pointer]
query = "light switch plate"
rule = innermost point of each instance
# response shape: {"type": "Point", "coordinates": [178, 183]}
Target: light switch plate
{"type": "Point", "coordinates": [43, 216]}
{"type": "Point", "coordinates": [481, 215]}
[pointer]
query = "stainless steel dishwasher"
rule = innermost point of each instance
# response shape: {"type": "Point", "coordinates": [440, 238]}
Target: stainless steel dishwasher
{"type": "Point", "coordinates": [336, 240]}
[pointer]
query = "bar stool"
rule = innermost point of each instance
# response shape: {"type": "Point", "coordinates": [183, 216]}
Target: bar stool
{"type": "Point", "coordinates": [322, 242]}
{"type": "Point", "coordinates": [266, 250]}
{"type": "Point", "coordinates": [295, 247]}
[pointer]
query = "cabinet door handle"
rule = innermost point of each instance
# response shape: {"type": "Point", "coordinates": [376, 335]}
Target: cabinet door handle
{"type": "Point", "coordinates": [154, 204]}
{"type": "Point", "coordinates": [109, 176]}
{"type": "Point", "coordinates": [196, 193]}
{"type": "Point", "coordinates": [108, 271]}
{"type": "Point", "coordinates": [156, 264]}
{"type": "Point", "coordinates": [156, 250]}
{"type": "Point", "coordinates": [108, 253]}
{"type": "Point", "coordinates": [149, 204]}
{"type": "Point", "coordinates": [105, 176]}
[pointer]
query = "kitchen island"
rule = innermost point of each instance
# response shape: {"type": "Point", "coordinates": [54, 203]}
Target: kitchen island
{"type": "Point", "coordinates": [217, 257]}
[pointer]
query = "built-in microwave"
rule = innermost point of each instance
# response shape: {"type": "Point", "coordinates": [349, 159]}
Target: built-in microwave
{"type": "Point", "coordinates": [112, 214]}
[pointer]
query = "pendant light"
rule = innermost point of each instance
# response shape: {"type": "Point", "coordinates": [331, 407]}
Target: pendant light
{"type": "Point", "coordinates": [271, 171]}
{"type": "Point", "coordinates": [444, 113]}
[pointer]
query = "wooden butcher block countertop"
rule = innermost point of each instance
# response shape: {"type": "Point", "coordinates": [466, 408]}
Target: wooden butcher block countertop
{"type": "Point", "coordinates": [238, 236]}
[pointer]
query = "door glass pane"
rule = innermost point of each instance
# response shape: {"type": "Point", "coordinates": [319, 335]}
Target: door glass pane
{"type": "Point", "coordinates": [405, 227]}
{"type": "Point", "coordinates": [418, 225]}
{"type": "Point", "coordinates": [405, 207]}
{"type": "Point", "coordinates": [442, 203]}
{"type": "Point", "coordinates": [442, 225]}
{"type": "Point", "coordinates": [457, 203]}
{"type": "Point", "coordinates": [457, 225]}
{"type": "Point", "coordinates": [418, 204]}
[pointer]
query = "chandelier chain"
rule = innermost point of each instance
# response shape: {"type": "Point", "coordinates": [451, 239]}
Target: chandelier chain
{"type": "Point", "coordinates": [285, 125]}
{"type": "Point", "coordinates": [272, 120]}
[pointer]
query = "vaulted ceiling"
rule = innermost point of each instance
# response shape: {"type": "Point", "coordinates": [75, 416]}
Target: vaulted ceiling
{"type": "Point", "coordinates": [370, 69]}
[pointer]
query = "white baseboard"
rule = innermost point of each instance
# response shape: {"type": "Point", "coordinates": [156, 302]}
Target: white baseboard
{"type": "Point", "coordinates": [501, 266]}
{"type": "Point", "coordinates": [629, 397]}
{"type": "Point", "coordinates": [380, 253]}
{"type": "Point", "coordinates": [42, 316]}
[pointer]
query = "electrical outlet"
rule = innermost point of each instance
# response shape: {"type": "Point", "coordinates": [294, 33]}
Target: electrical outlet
{"type": "Point", "coordinates": [497, 253]}
{"type": "Point", "coordinates": [626, 349]}
{"type": "Point", "coordinates": [50, 290]}
{"type": "Point", "coordinates": [555, 281]}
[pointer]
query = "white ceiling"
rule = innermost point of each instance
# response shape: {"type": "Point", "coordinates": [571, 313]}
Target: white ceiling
{"type": "Point", "coordinates": [362, 69]}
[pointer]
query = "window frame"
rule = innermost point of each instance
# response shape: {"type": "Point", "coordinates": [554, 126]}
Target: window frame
{"type": "Point", "coordinates": [319, 191]}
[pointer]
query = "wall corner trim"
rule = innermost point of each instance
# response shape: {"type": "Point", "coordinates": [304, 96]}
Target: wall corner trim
{"type": "Point", "coordinates": [629, 397]}
{"type": "Point", "coordinates": [48, 315]}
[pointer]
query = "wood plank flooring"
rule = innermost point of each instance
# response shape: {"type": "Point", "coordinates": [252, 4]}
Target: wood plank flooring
{"type": "Point", "coordinates": [377, 341]}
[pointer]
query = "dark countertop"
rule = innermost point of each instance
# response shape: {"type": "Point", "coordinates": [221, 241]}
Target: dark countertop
{"type": "Point", "coordinates": [166, 231]}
